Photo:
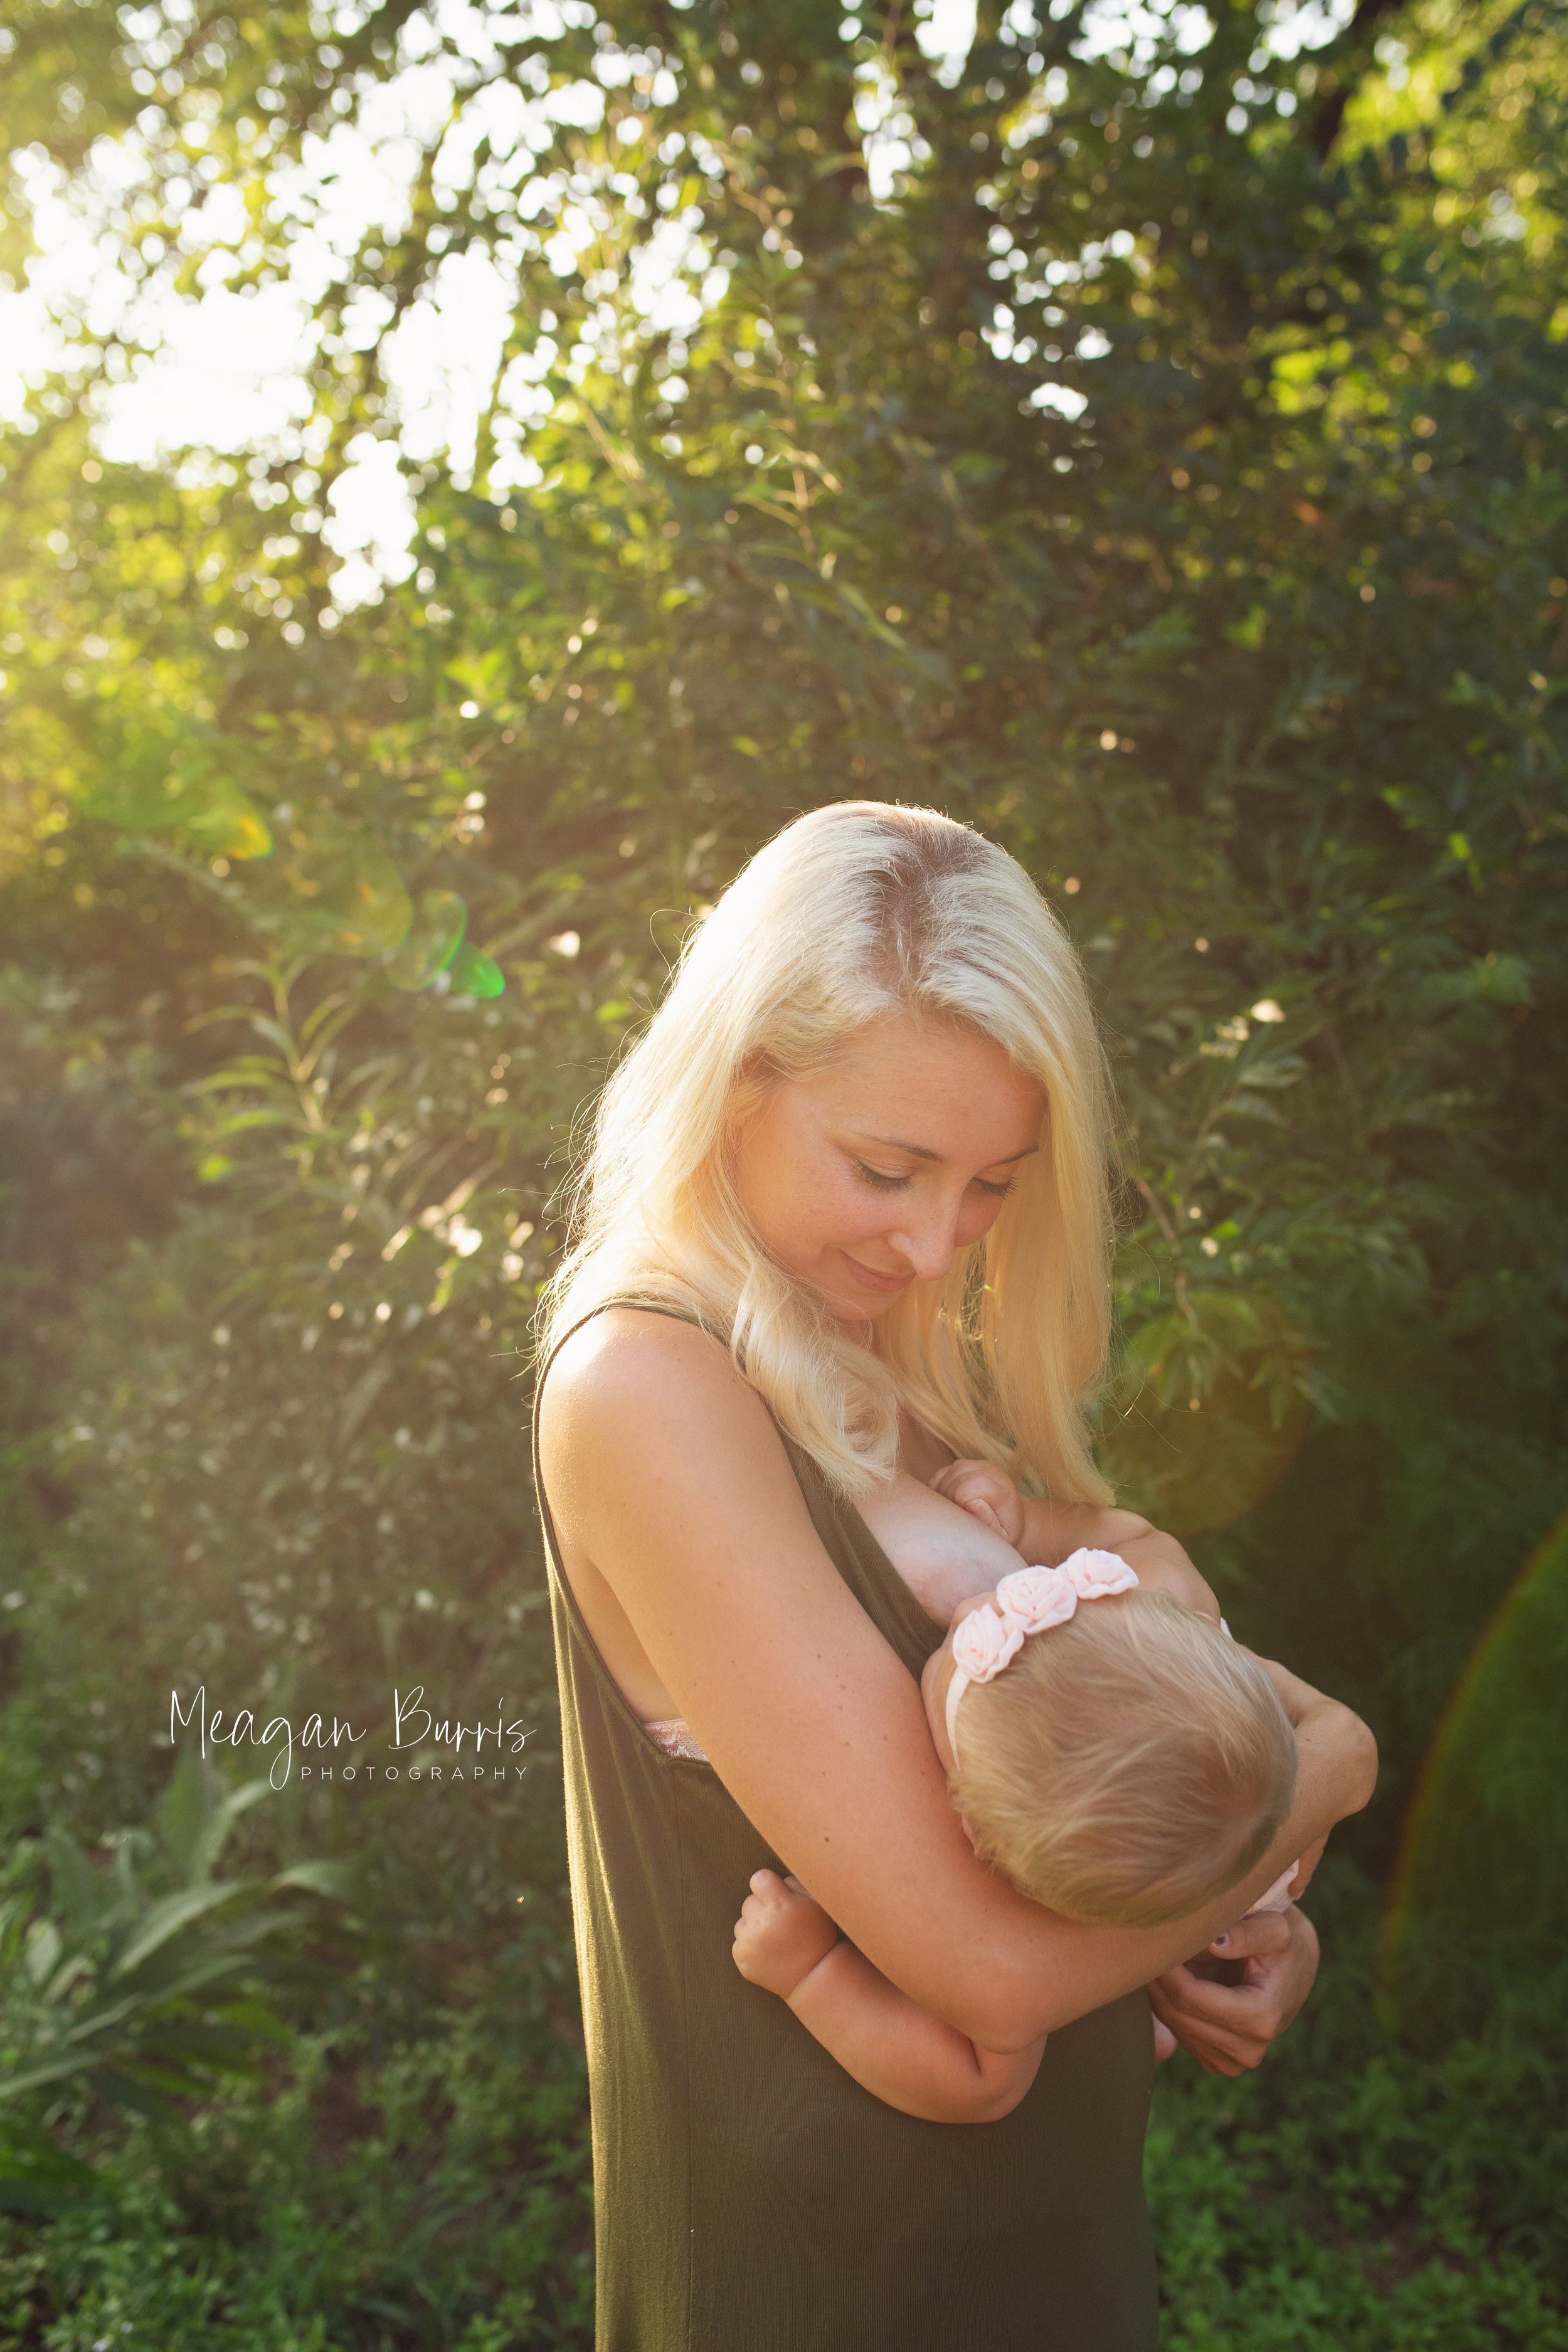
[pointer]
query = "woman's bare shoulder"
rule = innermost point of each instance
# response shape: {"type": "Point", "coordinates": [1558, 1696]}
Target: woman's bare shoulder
{"type": "Point", "coordinates": [630, 1375]}
{"type": "Point", "coordinates": [647, 1432]}
{"type": "Point", "coordinates": [623, 1349]}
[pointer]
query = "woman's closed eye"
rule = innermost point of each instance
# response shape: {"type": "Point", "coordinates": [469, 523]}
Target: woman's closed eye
{"type": "Point", "coordinates": [884, 1183]}
{"type": "Point", "coordinates": [880, 1179]}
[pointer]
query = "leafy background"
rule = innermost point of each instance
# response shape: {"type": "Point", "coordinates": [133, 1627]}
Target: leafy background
{"type": "Point", "coordinates": [1140, 434]}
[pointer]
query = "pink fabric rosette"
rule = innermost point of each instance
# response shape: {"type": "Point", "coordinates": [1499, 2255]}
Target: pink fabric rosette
{"type": "Point", "coordinates": [985, 1642]}
{"type": "Point", "coordinates": [1037, 1598]}
{"type": "Point", "coordinates": [1029, 1600]}
{"type": "Point", "coordinates": [1097, 1575]}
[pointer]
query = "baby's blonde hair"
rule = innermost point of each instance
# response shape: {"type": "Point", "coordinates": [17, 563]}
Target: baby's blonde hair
{"type": "Point", "coordinates": [855, 912]}
{"type": "Point", "coordinates": [1127, 1766]}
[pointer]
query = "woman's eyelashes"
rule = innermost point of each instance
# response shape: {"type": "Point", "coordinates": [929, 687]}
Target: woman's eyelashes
{"type": "Point", "coordinates": [882, 1182]}
{"type": "Point", "coordinates": [877, 1176]}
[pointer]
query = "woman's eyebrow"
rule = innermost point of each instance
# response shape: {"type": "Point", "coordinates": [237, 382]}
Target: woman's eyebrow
{"type": "Point", "coordinates": [918, 1151]}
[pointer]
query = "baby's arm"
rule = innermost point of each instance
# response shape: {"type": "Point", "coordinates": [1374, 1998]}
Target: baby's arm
{"type": "Point", "coordinates": [1045, 1532]}
{"type": "Point", "coordinates": [901, 2053]}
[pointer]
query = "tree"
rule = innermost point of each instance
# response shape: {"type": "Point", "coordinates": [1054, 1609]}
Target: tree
{"type": "Point", "coordinates": [1144, 439]}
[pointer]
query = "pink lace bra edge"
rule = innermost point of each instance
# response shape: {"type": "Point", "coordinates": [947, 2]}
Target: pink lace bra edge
{"type": "Point", "coordinates": [675, 1735]}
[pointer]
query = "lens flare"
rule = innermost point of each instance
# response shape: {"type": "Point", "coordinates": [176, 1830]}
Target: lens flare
{"type": "Point", "coordinates": [1483, 1854]}
{"type": "Point", "coordinates": [1207, 1411]}
{"type": "Point", "coordinates": [341, 891]}
{"type": "Point", "coordinates": [434, 937]}
{"type": "Point", "coordinates": [478, 974]}
{"type": "Point", "coordinates": [192, 803]}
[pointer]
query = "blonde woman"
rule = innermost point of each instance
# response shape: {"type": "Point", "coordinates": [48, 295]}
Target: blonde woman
{"type": "Point", "coordinates": [845, 1214]}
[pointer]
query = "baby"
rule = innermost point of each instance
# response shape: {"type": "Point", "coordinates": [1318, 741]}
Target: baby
{"type": "Point", "coordinates": [1114, 1754]}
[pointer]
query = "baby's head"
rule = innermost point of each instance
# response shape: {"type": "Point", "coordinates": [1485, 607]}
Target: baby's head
{"type": "Point", "coordinates": [1113, 1754]}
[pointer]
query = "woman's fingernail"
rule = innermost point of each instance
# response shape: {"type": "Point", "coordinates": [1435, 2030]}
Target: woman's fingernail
{"type": "Point", "coordinates": [1220, 1943]}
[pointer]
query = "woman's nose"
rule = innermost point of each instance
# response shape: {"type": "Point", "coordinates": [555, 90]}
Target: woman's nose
{"type": "Point", "coordinates": [929, 1246]}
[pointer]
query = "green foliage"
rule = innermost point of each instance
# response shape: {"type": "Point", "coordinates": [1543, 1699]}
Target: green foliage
{"type": "Point", "coordinates": [1158, 461]}
{"type": "Point", "coordinates": [1233, 1357]}
{"type": "Point", "coordinates": [141, 1981]}
{"type": "Point", "coordinates": [430, 2193]}
{"type": "Point", "coordinates": [1353, 2193]}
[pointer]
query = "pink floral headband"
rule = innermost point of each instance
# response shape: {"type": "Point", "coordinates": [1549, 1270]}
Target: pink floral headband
{"type": "Point", "coordinates": [1028, 1602]}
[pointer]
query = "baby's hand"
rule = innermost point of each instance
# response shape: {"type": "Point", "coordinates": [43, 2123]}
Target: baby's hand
{"type": "Point", "coordinates": [781, 1934]}
{"type": "Point", "coordinates": [988, 1494]}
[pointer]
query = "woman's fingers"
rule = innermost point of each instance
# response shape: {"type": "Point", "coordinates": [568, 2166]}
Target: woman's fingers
{"type": "Point", "coordinates": [1220, 2045]}
{"type": "Point", "coordinates": [1229, 2028]}
{"type": "Point", "coordinates": [1253, 1937]}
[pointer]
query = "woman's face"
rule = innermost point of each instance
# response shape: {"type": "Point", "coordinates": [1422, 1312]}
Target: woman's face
{"type": "Point", "coordinates": [870, 1174]}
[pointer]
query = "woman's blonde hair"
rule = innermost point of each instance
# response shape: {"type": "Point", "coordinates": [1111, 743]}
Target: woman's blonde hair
{"type": "Point", "coordinates": [855, 912]}
{"type": "Point", "coordinates": [1127, 1766]}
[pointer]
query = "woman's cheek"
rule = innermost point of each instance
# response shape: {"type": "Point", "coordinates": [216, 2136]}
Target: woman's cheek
{"type": "Point", "coordinates": [853, 1214]}
{"type": "Point", "coordinates": [975, 1222]}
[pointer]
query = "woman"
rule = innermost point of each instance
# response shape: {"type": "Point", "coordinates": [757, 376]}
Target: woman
{"type": "Point", "coordinates": [845, 1211]}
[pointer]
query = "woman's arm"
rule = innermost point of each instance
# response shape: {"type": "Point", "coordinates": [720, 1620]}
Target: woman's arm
{"type": "Point", "coordinates": [687, 1538]}
{"type": "Point", "coordinates": [786, 1943]}
{"type": "Point", "coordinates": [1228, 2026]}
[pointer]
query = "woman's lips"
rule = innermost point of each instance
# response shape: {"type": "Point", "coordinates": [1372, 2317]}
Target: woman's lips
{"type": "Point", "coordinates": [884, 1282]}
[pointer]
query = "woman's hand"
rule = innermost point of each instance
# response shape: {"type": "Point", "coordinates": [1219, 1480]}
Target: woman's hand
{"type": "Point", "coordinates": [1229, 2028]}
{"type": "Point", "coordinates": [988, 1494]}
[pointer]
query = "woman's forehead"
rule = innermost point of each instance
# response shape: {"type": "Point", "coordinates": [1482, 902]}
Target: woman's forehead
{"type": "Point", "coordinates": [929, 1086]}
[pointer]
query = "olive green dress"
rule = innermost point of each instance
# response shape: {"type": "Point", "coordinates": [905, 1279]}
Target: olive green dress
{"type": "Point", "coordinates": [750, 2197]}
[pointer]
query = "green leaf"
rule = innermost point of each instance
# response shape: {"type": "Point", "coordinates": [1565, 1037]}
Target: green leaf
{"type": "Point", "coordinates": [169, 1918]}
{"type": "Point", "coordinates": [333, 1879]}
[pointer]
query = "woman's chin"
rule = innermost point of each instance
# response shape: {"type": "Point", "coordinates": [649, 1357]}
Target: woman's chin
{"type": "Point", "coordinates": [872, 1293]}
{"type": "Point", "coordinates": [854, 1308]}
